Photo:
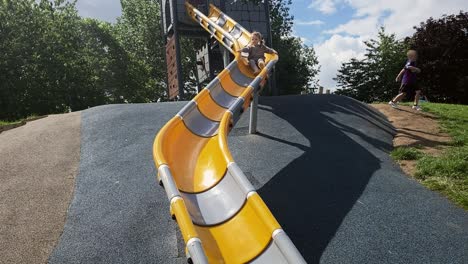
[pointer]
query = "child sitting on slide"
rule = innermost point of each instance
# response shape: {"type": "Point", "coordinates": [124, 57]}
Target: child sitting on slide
{"type": "Point", "coordinates": [254, 53]}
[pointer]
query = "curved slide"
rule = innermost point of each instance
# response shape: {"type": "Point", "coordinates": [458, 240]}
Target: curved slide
{"type": "Point", "coordinates": [221, 217]}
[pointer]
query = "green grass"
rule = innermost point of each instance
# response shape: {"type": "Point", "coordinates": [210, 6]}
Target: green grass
{"type": "Point", "coordinates": [448, 172]}
{"type": "Point", "coordinates": [6, 122]}
{"type": "Point", "coordinates": [406, 153]}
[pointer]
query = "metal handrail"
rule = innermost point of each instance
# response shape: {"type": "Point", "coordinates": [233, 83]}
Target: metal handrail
{"type": "Point", "coordinates": [217, 27]}
{"type": "Point", "coordinates": [243, 29]}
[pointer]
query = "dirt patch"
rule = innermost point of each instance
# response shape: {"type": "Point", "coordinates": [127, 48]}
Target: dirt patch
{"type": "Point", "coordinates": [415, 129]}
{"type": "Point", "coordinates": [38, 165]}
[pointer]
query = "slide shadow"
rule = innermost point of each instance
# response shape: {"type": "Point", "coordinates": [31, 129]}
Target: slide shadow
{"type": "Point", "coordinates": [312, 195]}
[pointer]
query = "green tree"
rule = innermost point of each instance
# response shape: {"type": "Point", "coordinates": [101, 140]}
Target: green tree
{"type": "Point", "coordinates": [53, 61]}
{"type": "Point", "coordinates": [442, 47]}
{"type": "Point", "coordinates": [352, 79]}
{"type": "Point", "coordinates": [281, 21]}
{"type": "Point", "coordinates": [106, 62]}
{"type": "Point", "coordinates": [138, 30]}
{"type": "Point", "coordinates": [297, 68]}
{"type": "Point", "coordinates": [373, 78]}
{"type": "Point", "coordinates": [40, 60]}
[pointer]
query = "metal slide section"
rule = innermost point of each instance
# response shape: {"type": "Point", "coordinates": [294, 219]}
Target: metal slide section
{"type": "Point", "coordinates": [241, 34]}
{"type": "Point", "coordinates": [221, 217]}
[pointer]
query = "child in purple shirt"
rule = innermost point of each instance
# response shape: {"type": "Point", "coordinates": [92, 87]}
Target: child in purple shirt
{"type": "Point", "coordinates": [409, 84]}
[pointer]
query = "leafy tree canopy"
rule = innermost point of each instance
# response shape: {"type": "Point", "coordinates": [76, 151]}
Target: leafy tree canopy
{"type": "Point", "coordinates": [373, 77]}
{"type": "Point", "coordinates": [442, 45]}
{"type": "Point", "coordinates": [54, 61]}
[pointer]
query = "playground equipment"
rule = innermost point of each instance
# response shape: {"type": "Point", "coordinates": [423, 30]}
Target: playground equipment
{"type": "Point", "coordinates": [211, 56]}
{"type": "Point", "coordinates": [221, 217]}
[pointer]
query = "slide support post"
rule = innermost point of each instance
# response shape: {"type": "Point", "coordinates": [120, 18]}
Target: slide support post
{"type": "Point", "coordinates": [253, 114]}
{"type": "Point", "coordinates": [226, 59]}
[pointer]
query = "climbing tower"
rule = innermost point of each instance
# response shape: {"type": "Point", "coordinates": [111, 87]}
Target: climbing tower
{"type": "Point", "coordinates": [211, 57]}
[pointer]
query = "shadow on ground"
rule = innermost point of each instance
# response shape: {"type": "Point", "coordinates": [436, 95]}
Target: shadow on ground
{"type": "Point", "coordinates": [320, 163]}
{"type": "Point", "coordinates": [333, 170]}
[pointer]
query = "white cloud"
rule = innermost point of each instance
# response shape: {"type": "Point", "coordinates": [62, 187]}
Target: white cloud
{"type": "Point", "coordinates": [398, 16]}
{"type": "Point", "coordinates": [303, 39]}
{"type": "Point", "coordinates": [308, 23]}
{"type": "Point", "coordinates": [332, 52]}
{"type": "Point", "coordinates": [324, 6]}
{"type": "Point", "coordinates": [364, 27]}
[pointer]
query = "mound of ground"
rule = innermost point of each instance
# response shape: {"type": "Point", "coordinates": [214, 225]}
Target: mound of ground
{"type": "Point", "coordinates": [414, 129]}
{"type": "Point", "coordinates": [320, 163]}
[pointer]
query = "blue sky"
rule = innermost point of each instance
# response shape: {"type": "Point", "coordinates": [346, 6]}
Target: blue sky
{"type": "Point", "coordinates": [336, 28]}
{"type": "Point", "coordinates": [310, 22]}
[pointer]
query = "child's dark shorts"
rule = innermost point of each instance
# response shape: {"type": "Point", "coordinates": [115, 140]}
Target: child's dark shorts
{"type": "Point", "coordinates": [409, 88]}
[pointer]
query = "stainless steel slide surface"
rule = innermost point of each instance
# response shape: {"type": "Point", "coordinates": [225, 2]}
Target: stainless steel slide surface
{"type": "Point", "coordinates": [221, 217]}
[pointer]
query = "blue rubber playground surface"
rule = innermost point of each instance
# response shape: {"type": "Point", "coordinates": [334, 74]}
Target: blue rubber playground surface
{"type": "Point", "coordinates": [321, 163]}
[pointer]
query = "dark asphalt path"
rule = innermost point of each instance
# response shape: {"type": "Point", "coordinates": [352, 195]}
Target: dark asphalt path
{"type": "Point", "coordinates": [320, 162]}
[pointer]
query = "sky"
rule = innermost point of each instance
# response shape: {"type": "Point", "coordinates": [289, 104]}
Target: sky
{"type": "Point", "coordinates": [335, 28]}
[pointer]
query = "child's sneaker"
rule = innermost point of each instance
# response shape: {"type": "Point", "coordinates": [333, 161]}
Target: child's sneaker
{"type": "Point", "coordinates": [261, 64]}
{"type": "Point", "coordinates": [393, 104]}
{"type": "Point", "coordinates": [416, 107]}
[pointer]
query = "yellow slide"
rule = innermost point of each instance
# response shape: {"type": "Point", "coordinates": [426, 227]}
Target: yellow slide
{"type": "Point", "coordinates": [221, 217]}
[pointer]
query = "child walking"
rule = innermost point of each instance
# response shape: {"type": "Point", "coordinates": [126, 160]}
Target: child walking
{"type": "Point", "coordinates": [254, 53]}
{"type": "Point", "coordinates": [409, 84]}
